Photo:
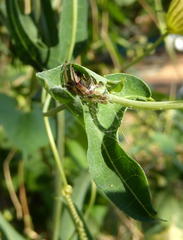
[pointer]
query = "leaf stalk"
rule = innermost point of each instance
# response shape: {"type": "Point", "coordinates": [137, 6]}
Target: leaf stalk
{"type": "Point", "coordinates": [164, 105]}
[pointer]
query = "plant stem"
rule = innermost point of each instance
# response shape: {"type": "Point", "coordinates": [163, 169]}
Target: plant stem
{"type": "Point", "coordinates": [58, 183]}
{"type": "Point", "coordinates": [54, 110]}
{"type": "Point", "coordinates": [148, 9]}
{"type": "Point", "coordinates": [9, 184]}
{"type": "Point", "coordinates": [95, 20]}
{"type": "Point", "coordinates": [28, 225]}
{"type": "Point", "coordinates": [161, 16]}
{"type": "Point", "coordinates": [52, 143]}
{"type": "Point", "coordinates": [146, 52]}
{"type": "Point", "coordinates": [92, 199]}
{"type": "Point", "coordinates": [115, 57]}
{"type": "Point", "coordinates": [67, 189]}
{"type": "Point", "coordinates": [74, 23]}
{"type": "Point", "coordinates": [67, 192]}
{"type": "Point", "coordinates": [61, 134]}
{"type": "Point", "coordinates": [27, 7]}
{"type": "Point", "coordinates": [145, 105]}
{"type": "Point", "coordinates": [172, 56]}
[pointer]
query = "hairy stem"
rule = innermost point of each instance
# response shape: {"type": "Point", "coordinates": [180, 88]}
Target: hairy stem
{"type": "Point", "coordinates": [67, 192]}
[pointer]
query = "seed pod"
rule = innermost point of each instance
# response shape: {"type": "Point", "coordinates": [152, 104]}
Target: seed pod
{"type": "Point", "coordinates": [174, 17]}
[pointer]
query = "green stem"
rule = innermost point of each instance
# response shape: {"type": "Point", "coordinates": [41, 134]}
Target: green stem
{"type": "Point", "coordinates": [172, 55]}
{"type": "Point", "coordinates": [116, 58]}
{"type": "Point", "coordinates": [145, 105]}
{"type": "Point", "coordinates": [58, 183]}
{"type": "Point", "coordinates": [92, 199]}
{"type": "Point", "coordinates": [67, 189]}
{"type": "Point", "coordinates": [52, 143]}
{"type": "Point", "coordinates": [74, 24]}
{"type": "Point", "coordinates": [147, 52]}
{"type": "Point", "coordinates": [161, 16]}
{"type": "Point", "coordinates": [60, 128]}
{"type": "Point", "coordinates": [55, 110]}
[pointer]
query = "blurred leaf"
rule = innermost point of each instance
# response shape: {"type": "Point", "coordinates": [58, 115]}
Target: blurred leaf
{"type": "Point", "coordinates": [69, 30]}
{"type": "Point", "coordinates": [125, 2]}
{"type": "Point", "coordinates": [170, 209]}
{"type": "Point", "coordinates": [166, 143]}
{"type": "Point", "coordinates": [25, 130]}
{"type": "Point", "coordinates": [46, 22]}
{"type": "Point", "coordinates": [96, 218]}
{"type": "Point", "coordinates": [77, 151]}
{"type": "Point", "coordinates": [24, 37]}
{"type": "Point", "coordinates": [8, 230]}
{"type": "Point", "coordinates": [36, 180]}
{"type": "Point", "coordinates": [116, 12]}
{"type": "Point", "coordinates": [174, 17]}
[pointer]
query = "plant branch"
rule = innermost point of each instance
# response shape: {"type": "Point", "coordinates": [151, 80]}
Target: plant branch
{"type": "Point", "coordinates": [9, 184]}
{"type": "Point", "coordinates": [28, 225]}
{"type": "Point", "coordinates": [92, 199]}
{"type": "Point", "coordinates": [115, 57]}
{"type": "Point", "coordinates": [27, 7]}
{"type": "Point", "coordinates": [67, 192]}
{"type": "Point", "coordinates": [58, 183]}
{"type": "Point", "coordinates": [54, 110]}
{"type": "Point", "coordinates": [52, 143]}
{"type": "Point", "coordinates": [67, 189]}
{"type": "Point", "coordinates": [164, 105]}
{"type": "Point", "coordinates": [161, 16]}
{"type": "Point", "coordinates": [95, 19]}
{"type": "Point", "coordinates": [74, 23]}
{"type": "Point", "coordinates": [148, 9]}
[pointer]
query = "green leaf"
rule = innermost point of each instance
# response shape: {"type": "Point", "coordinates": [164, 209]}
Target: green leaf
{"type": "Point", "coordinates": [45, 20]}
{"type": "Point", "coordinates": [24, 35]}
{"type": "Point", "coordinates": [25, 130]}
{"type": "Point", "coordinates": [57, 42]}
{"type": "Point", "coordinates": [116, 174]}
{"type": "Point", "coordinates": [131, 86]}
{"type": "Point", "coordinates": [8, 230]}
{"type": "Point", "coordinates": [71, 30]}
